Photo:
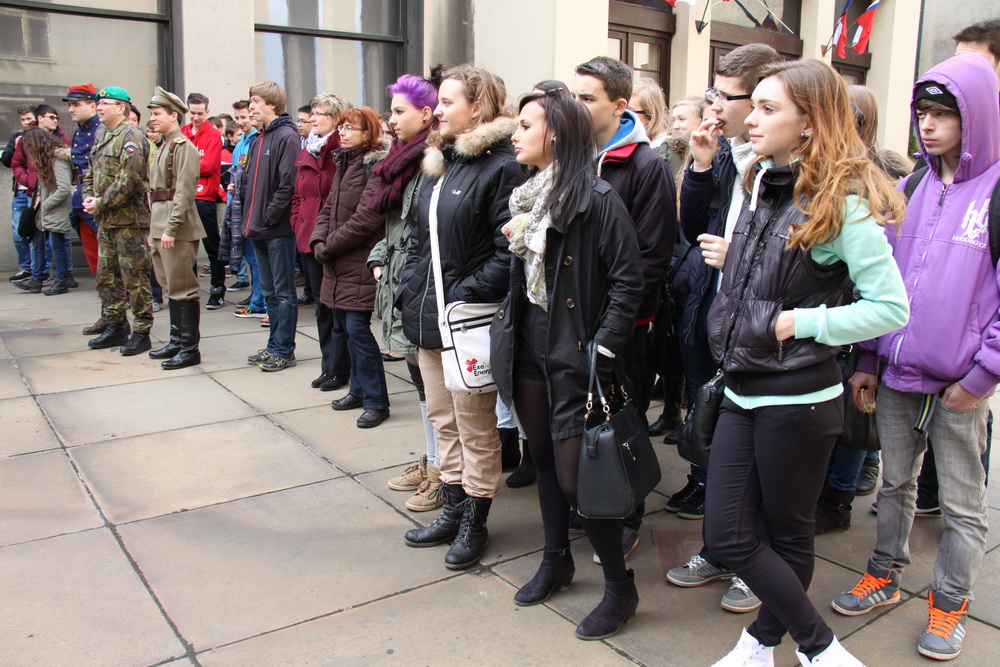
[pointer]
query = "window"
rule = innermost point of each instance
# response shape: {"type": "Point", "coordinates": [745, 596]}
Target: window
{"type": "Point", "coordinates": [639, 36]}
{"type": "Point", "coordinates": [24, 34]}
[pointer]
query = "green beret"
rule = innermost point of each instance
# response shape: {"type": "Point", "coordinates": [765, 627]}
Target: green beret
{"type": "Point", "coordinates": [115, 93]}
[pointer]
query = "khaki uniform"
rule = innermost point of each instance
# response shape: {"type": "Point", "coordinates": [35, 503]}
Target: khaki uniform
{"type": "Point", "coordinates": [174, 213]}
{"type": "Point", "coordinates": [117, 179]}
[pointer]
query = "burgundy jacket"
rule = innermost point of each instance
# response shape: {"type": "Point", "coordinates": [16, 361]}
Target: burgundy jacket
{"type": "Point", "coordinates": [312, 187]}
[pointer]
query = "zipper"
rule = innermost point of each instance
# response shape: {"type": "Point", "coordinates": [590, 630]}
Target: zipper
{"type": "Point", "coordinates": [256, 170]}
{"type": "Point", "coordinates": [944, 191]}
{"type": "Point", "coordinates": [781, 350]}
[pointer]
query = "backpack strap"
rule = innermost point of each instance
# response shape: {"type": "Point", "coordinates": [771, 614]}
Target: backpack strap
{"type": "Point", "coordinates": [995, 224]}
{"type": "Point", "coordinates": [914, 181]}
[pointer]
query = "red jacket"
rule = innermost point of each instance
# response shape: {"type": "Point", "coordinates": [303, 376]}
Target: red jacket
{"type": "Point", "coordinates": [208, 141]}
{"type": "Point", "coordinates": [312, 186]}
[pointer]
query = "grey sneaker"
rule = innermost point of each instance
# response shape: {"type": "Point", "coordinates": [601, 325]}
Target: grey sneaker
{"type": "Point", "coordinates": [739, 598]}
{"type": "Point", "coordinates": [259, 358]}
{"type": "Point", "coordinates": [697, 572]}
{"type": "Point", "coordinates": [945, 632]}
{"type": "Point", "coordinates": [630, 540]}
{"type": "Point", "coordinates": [878, 588]}
{"type": "Point", "coordinates": [275, 363]}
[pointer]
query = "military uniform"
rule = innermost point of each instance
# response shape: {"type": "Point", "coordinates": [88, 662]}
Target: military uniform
{"type": "Point", "coordinates": [83, 142]}
{"type": "Point", "coordinates": [117, 179]}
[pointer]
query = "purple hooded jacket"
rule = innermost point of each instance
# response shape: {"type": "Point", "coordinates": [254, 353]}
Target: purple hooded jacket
{"type": "Point", "coordinates": [943, 254]}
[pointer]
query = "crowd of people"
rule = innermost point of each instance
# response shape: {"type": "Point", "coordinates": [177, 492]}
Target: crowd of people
{"type": "Point", "coordinates": [756, 230]}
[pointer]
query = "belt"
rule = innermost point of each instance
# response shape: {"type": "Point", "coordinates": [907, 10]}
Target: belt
{"type": "Point", "coordinates": [77, 178]}
{"type": "Point", "coordinates": [161, 195]}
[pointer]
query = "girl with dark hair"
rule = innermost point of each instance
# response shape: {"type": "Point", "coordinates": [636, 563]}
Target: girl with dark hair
{"type": "Point", "coordinates": [49, 156]}
{"type": "Point", "coordinates": [576, 279]}
{"type": "Point", "coordinates": [345, 233]}
{"type": "Point", "coordinates": [411, 117]}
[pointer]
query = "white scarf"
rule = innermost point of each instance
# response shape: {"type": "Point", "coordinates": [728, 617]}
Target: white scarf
{"type": "Point", "coordinates": [526, 231]}
{"type": "Point", "coordinates": [315, 142]}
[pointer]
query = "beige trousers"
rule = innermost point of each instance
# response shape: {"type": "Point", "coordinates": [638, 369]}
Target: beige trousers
{"type": "Point", "coordinates": [175, 269]}
{"type": "Point", "coordinates": [466, 430]}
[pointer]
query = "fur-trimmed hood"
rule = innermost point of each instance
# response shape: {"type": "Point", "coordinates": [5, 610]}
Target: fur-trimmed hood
{"type": "Point", "coordinates": [375, 156]}
{"type": "Point", "coordinates": [466, 146]}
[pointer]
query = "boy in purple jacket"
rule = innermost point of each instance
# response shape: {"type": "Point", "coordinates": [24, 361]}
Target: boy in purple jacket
{"type": "Point", "coordinates": [939, 371]}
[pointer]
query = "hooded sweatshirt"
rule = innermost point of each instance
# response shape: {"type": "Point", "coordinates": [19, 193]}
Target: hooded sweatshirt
{"type": "Point", "coordinates": [269, 181]}
{"type": "Point", "coordinates": [943, 254]}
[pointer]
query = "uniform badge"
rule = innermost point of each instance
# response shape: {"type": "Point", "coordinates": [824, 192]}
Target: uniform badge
{"type": "Point", "coordinates": [130, 147]}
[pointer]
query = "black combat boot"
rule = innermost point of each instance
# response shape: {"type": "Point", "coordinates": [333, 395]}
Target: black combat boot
{"type": "Point", "coordinates": [554, 574]}
{"type": "Point", "coordinates": [616, 608]}
{"type": "Point", "coordinates": [472, 537]}
{"type": "Point", "coordinates": [443, 528]}
{"type": "Point", "coordinates": [833, 511]}
{"type": "Point", "coordinates": [174, 345]}
{"type": "Point", "coordinates": [114, 334]}
{"type": "Point", "coordinates": [136, 344]}
{"type": "Point", "coordinates": [188, 354]}
{"type": "Point", "coordinates": [510, 449]}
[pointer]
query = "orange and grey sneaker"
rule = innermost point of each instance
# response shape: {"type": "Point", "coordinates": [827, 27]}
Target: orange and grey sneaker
{"type": "Point", "coordinates": [878, 588]}
{"type": "Point", "coordinates": [265, 322]}
{"type": "Point", "coordinates": [946, 615]}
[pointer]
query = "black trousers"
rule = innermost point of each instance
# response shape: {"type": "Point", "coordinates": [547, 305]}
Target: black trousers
{"type": "Point", "coordinates": [332, 340]}
{"type": "Point", "coordinates": [769, 464]}
{"type": "Point", "coordinates": [210, 220]}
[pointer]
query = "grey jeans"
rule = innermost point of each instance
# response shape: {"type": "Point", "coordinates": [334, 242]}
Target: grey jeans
{"type": "Point", "coordinates": [959, 440]}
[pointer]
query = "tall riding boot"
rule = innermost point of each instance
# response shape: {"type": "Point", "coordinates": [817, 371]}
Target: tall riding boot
{"type": "Point", "coordinates": [833, 511]}
{"type": "Point", "coordinates": [525, 473]}
{"type": "Point", "coordinates": [616, 608]}
{"type": "Point", "coordinates": [554, 574]}
{"type": "Point", "coordinates": [443, 528]}
{"type": "Point", "coordinates": [114, 335]}
{"type": "Point", "coordinates": [510, 448]}
{"type": "Point", "coordinates": [670, 417]}
{"type": "Point", "coordinates": [472, 538]}
{"type": "Point", "coordinates": [188, 355]}
{"type": "Point", "coordinates": [174, 345]}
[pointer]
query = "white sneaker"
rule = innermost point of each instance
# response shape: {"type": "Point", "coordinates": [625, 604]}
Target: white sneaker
{"type": "Point", "coordinates": [834, 655]}
{"type": "Point", "coordinates": [748, 653]}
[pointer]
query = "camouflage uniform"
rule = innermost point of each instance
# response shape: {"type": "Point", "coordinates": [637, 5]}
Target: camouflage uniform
{"type": "Point", "coordinates": [118, 179]}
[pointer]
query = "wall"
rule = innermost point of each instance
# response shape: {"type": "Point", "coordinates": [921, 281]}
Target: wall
{"type": "Point", "coordinates": [214, 50]}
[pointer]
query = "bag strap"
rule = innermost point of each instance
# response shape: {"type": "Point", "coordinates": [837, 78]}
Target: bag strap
{"type": "Point", "coordinates": [435, 247]}
{"type": "Point", "coordinates": [995, 224]}
{"type": "Point", "coordinates": [594, 384]}
{"type": "Point", "coordinates": [914, 181]}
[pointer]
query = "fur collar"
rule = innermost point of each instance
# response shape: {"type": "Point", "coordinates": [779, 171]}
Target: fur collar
{"type": "Point", "coordinates": [377, 155]}
{"type": "Point", "coordinates": [467, 146]}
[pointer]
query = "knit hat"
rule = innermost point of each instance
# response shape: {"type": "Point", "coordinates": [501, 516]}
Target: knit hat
{"type": "Point", "coordinates": [935, 92]}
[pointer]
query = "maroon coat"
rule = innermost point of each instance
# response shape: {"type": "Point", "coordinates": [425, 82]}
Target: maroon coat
{"type": "Point", "coordinates": [312, 187]}
{"type": "Point", "coordinates": [347, 230]}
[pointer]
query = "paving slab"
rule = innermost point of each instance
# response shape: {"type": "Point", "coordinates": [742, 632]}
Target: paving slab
{"type": "Point", "coordinates": [160, 473]}
{"type": "Point", "coordinates": [48, 340]}
{"type": "Point", "coordinates": [473, 620]}
{"type": "Point", "coordinates": [138, 408]}
{"type": "Point", "coordinates": [42, 496]}
{"type": "Point", "coordinates": [335, 435]}
{"type": "Point", "coordinates": [69, 371]}
{"type": "Point", "coordinates": [986, 606]}
{"type": "Point", "coordinates": [79, 602]}
{"type": "Point", "coordinates": [223, 353]}
{"type": "Point", "coordinates": [23, 311]}
{"type": "Point", "coordinates": [232, 571]}
{"type": "Point", "coordinates": [11, 382]}
{"type": "Point", "coordinates": [24, 427]}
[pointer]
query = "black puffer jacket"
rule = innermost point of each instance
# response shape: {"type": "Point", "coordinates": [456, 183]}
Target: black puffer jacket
{"type": "Point", "coordinates": [593, 275]}
{"type": "Point", "coordinates": [479, 174]}
{"type": "Point", "coordinates": [761, 278]}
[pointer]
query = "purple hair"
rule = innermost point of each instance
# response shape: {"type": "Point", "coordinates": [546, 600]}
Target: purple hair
{"type": "Point", "coordinates": [417, 90]}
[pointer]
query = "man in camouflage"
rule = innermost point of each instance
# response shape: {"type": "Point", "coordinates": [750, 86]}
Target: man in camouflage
{"type": "Point", "coordinates": [114, 192]}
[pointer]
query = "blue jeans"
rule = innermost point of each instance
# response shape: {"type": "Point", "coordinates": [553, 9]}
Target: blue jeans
{"type": "Point", "coordinates": [959, 440]}
{"type": "Point", "coordinates": [367, 372]}
{"type": "Point", "coordinates": [20, 202]}
{"type": "Point", "coordinates": [250, 259]}
{"type": "Point", "coordinates": [241, 275]}
{"type": "Point", "coordinates": [845, 466]}
{"type": "Point", "coordinates": [38, 248]}
{"type": "Point", "coordinates": [276, 261]}
{"type": "Point", "coordinates": [67, 242]}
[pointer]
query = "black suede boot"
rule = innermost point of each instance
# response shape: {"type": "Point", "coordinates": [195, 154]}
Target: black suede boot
{"type": "Point", "coordinates": [472, 537]}
{"type": "Point", "coordinates": [443, 528]}
{"type": "Point", "coordinates": [174, 345]}
{"type": "Point", "coordinates": [616, 608]}
{"type": "Point", "coordinates": [114, 335]}
{"type": "Point", "coordinates": [554, 574]}
{"type": "Point", "coordinates": [188, 354]}
{"type": "Point", "coordinates": [833, 511]}
{"type": "Point", "coordinates": [525, 473]}
{"type": "Point", "coordinates": [510, 448]}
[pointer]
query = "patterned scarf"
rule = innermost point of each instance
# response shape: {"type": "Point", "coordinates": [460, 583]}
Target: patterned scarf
{"type": "Point", "coordinates": [314, 143]}
{"type": "Point", "coordinates": [526, 231]}
{"type": "Point", "coordinates": [396, 170]}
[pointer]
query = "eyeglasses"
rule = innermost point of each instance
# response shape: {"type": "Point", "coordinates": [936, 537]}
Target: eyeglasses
{"type": "Point", "coordinates": [303, 121]}
{"type": "Point", "coordinates": [320, 113]}
{"type": "Point", "coordinates": [344, 129]}
{"type": "Point", "coordinates": [640, 112]}
{"type": "Point", "coordinates": [712, 95]}
{"type": "Point", "coordinates": [50, 116]}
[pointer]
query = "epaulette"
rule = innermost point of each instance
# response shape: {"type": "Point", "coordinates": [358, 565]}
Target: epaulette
{"type": "Point", "coordinates": [180, 140]}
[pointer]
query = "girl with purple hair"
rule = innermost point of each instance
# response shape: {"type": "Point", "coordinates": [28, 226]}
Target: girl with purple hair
{"type": "Point", "coordinates": [411, 119]}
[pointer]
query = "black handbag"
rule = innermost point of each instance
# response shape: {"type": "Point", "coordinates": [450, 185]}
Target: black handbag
{"type": "Point", "coordinates": [860, 431]}
{"type": "Point", "coordinates": [694, 437]}
{"type": "Point", "coordinates": [618, 467]}
{"type": "Point", "coordinates": [26, 224]}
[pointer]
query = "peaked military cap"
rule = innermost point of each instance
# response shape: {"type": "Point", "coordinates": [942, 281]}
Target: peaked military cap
{"type": "Point", "coordinates": [84, 91]}
{"type": "Point", "coordinates": [164, 98]}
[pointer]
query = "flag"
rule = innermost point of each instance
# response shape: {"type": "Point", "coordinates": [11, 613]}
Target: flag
{"type": "Point", "coordinates": [769, 23]}
{"type": "Point", "coordinates": [673, 3]}
{"type": "Point", "coordinates": [840, 35]}
{"type": "Point", "coordinates": [864, 32]}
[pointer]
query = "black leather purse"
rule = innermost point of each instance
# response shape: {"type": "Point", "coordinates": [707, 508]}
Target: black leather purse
{"type": "Point", "coordinates": [694, 437]}
{"type": "Point", "coordinates": [26, 224]}
{"type": "Point", "coordinates": [618, 467]}
{"type": "Point", "coordinates": [860, 431]}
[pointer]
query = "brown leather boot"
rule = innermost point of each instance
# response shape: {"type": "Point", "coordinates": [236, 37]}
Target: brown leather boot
{"type": "Point", "coordinates": [97, 327]}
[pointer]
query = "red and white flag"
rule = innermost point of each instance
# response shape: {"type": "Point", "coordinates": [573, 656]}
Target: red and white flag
{"type": "Point", "coordinates": [673, 3]}
{"type": "Point", "coordinates": [864, 32]}
{"type": "Point", "coordinates": [840, 36]}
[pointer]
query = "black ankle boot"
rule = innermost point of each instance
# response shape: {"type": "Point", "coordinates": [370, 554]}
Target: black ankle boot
{"type": "Point", "coordinates": [554, 574]}
{"type": "Point", "coordinates": [525, 473]}
{"type": "Point", "coordinates": [115, 335]}
{"type": "Point", "coordinates": [174, 345]}
{"type": "Point", "coordinates": [188, 354]}
{"type": "Point", "coordinates": [137, 343]}
{"type": "Point", "coordinates": [833, 511]}
{"type": "Point", "coordinates": [615, 610]}
{"type": "Point", "coordinates": [472, 537]}
{"type": "Point", "coordinates": [510, 448]}
{"type": "Point", "coordinates": [443, 528]}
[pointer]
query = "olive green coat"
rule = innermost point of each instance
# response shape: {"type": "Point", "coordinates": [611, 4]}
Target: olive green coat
{"type": "Point", "coordinates": [53, 216]}
{"type": "Point", "coordinates": [178, 217]}
{"type": "Point", "coordinates": [118, 177]}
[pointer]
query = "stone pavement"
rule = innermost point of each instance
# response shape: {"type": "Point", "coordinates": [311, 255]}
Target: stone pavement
{"type": "Point", "coordinates": [219, 515]}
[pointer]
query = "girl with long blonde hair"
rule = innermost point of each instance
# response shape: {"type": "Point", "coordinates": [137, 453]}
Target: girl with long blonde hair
{"type": "Point", "coordinates": [810, 228]}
